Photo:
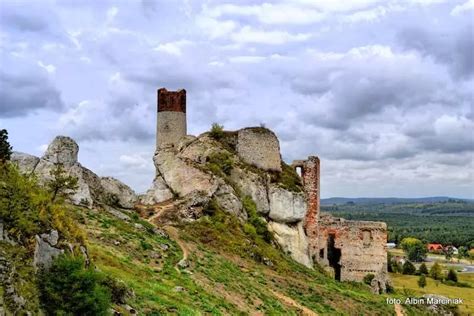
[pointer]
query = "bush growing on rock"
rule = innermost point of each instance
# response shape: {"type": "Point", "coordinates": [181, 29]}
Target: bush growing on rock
{"type": "Point", "coordinates": [255, 220]}
{"type": "Point", "coordinates": [61, 184]}
{"type": "Point", "coordinates": [217, 131]}
{"type": "Point", "coordinates": [220, 162]}
{"type": "Point", "coordinates": [68, 288]}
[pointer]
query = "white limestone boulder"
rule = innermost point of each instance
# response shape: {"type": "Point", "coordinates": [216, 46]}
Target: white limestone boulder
{"type": "Point", "coordinates": [286, 206]}
{"type": "Point", "coordinates": [62, 150]}
{"type": "Point", "coordinates": [181, 176]}
{"type": "Point", "coordinates": [252, 185]}
{"type": "Point", "coordinates": [125, 195]}
{"type": "Point", "coordinates": [159, 192]}
{"type": "Point", "coordinates": [25, 162]}
{"type": "Point", "coordinates": [292, 240]}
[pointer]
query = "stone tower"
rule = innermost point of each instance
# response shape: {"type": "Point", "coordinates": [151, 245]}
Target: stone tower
{"type": "Point", "coordinates": [171, 123]}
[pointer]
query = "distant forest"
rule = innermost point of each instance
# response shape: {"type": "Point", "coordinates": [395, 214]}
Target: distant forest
{"type": "Point", "coordinates": [448, 222]}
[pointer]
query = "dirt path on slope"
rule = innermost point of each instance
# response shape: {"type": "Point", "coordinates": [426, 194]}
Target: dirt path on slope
{"type": "Point", "coordinates": [173, 233]}
{"type": "Point", "coordinates": [399, 310]}
{"type": "Point", "coordinates": [291, 302]}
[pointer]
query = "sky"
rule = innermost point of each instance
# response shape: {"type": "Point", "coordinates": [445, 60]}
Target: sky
{"type": "Point", "coordinates": [380, 90]}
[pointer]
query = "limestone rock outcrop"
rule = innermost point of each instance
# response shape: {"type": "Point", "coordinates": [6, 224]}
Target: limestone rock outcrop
{"type": "Point", "coordinates": [62, 150]}
{"type": "Point", "coordinates": [91, 188]}
{"type": "Point", "coordinates": [293, 241]}
{"type": "Point", "coordinates": [46, 250]}
{"type": "Point", "coordinates": [27, 163]}
{"type": "Point", "coordinates": [254, 186]}
{"type": "Point", "coordinates": [286, 206]}
{"type": "Point", "coordinates": [226, 170]}
{"type": "Point", "coordinates": [126, 197]}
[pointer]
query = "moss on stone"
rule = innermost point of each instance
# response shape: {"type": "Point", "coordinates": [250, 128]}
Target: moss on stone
{"type": "Point", "coordinates": [288, 178]}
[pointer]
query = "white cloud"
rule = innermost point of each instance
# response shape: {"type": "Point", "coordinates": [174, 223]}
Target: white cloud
{"type": "Point", "coordinates": [111, 14]}
{"type": "Point", "coordinates": [462, 8]}
{"type": "Point", "coordinates": [136, 160]}
{"type": "Point", "coordinates": [173, 48]}
{"type": "Point", "coordinates": [215, 28]}
{"type": "Point", "coordinates": [270, 13]}
{"type": "Point", "coordinates": [49, 68]}
{"type": "Point", "coordinates": [246, 59]}
{"type": "Point", "coordinates": [249, 35]}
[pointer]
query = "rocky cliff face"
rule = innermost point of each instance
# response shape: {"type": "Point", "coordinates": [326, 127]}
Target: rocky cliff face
{"type": "Point", "coordinates": [91, 188]}
{"type": "Point", "coordinates": [224, 170]}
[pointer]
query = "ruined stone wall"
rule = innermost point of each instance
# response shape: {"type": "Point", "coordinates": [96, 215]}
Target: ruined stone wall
{"type": "Point", "coordinates": [310, 172]}
{"type": "Point", "coordinates": [259, 147]}
{"type": "Point", "coordinates": [171, 122]}
{"type": "Point", "coordinates": [362, 247]}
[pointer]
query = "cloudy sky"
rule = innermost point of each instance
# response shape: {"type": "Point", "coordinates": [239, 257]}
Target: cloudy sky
{"type": "Point", "coordinates": [381, 91]}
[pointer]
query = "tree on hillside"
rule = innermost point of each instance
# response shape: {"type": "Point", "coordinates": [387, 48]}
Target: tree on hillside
{"type": "Point", "coordinates": [408, 268]}
{"type": "Point", "coordinates": [414, 248]}
{"type": "Point", "coordinates": [423, 269]}
{"type": "Point", "coordinates": [452, 275]}
{"type": "Point", "coordinates": [70, 288]}
{"type": "Point", "coordinates": [61, 184]}
{"type": "Point", "coordinates": [436, 271]}
{"type": "Point", "coordinates": [5, 148]}
{"type": "Point", "coordinates": [422, 281]}
{"type": "Point", "coordinates": [449, 253]}
{"type": "Point", "coordinates": [463, 252]}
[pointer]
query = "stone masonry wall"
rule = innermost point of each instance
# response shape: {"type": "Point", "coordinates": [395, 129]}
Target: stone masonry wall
{"type": "Point", "coordinates": [362, 246]}
{"type": "Point", "coordinates": [259, 147]}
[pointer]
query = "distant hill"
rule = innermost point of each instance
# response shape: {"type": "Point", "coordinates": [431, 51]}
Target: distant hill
{"type": "Point", "coordinates": [388, 200]}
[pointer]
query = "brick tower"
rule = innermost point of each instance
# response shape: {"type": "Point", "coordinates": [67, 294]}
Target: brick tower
{"type": "Point", "coordinates": [171, 123]}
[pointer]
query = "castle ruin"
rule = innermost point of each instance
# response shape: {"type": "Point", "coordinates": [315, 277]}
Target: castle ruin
{"type": "Point", "coordinates": [171, 122]}
{"type": "Point", "coordinates": [349, 250]}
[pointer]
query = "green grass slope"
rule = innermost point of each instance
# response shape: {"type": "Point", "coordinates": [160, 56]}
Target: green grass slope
{"type": "Point", "coordinates": [230, 271]}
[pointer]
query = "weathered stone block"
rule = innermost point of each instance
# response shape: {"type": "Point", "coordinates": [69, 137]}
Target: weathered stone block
{"type": "Point", "coordinates": [286, 206]}
{"type": "Point", "coordinates": [259, 147]}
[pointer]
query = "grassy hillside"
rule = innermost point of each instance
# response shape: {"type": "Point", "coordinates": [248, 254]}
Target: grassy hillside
{"type": "Point", "coordinates": [229, 272]}
{"type": "Point", "coordinates": [408, 284]}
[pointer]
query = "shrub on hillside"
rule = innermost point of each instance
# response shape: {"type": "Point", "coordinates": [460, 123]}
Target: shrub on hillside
{"type": "Point", "coordinates": [27, 208]}
{"type": "Point", "coordinates": [436, 271]}
{"type": "Point", "coordinates": [217, 131]}
{"type": "Point", "coordinates": [422, 281]}
{"type": "Point", "coordinates": [220, 162]}
{"type": "Point", "coordinates": [452, 275]}
{"type": "Point", "coordinates": [68, 288]}
{"type": "Point", "coordinates": [423, 269]}
{"type": "Point", "coordinates": [408, 268]}
{"type": "Point", "coordinates": [368, 278]}
{"type": "Point", "coordinates": [255, 220]}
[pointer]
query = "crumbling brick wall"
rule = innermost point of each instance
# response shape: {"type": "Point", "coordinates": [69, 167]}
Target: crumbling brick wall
{"type": "Point", "coordinates": [350, 249]}
{"type": "Point", "coordinates": [310, 173]}
{"type": "Point", "coordinates": [362, 246]}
